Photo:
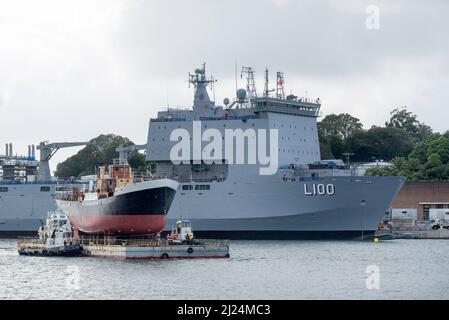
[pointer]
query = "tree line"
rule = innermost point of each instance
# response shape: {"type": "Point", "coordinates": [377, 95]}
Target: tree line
{"type": "Point", "coordinates": [413, 149]}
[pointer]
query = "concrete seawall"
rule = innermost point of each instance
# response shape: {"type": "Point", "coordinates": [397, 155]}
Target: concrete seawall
{"type": "Point", "coordinates": [421, 234]}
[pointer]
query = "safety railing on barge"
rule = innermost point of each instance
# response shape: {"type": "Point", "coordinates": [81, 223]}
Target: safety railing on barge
{"type": "Point", "coordinates": [155, 242]}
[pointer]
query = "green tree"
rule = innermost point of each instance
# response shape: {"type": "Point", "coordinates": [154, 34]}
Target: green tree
{"type": "Point", "coordinates": [379, 143]}
{"type": "Point", "coordinates": [429, 160]}
{"type": "Point", "coordinates": [325, 146]}
{"type": "Point", "coordinates": [419, 152]}
{"type": "Point", "coordinates": [434, 169]}
{"type": "Point", "coordinates": [87, 160]}
{"type": "Point", "coordinates": [439, 146]}
{"type": "Point", "coordinates": [342, 125]}
{"type": "Point", "coordinates": [401, 118]}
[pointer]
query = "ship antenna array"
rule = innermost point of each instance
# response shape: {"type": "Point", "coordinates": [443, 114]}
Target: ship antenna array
{"type": "Point", "coordinates": [250, 82]}
{"type": "Point", "coordinates": [199, 77]}
{"type": "Point", "coordinates": [280, 85]}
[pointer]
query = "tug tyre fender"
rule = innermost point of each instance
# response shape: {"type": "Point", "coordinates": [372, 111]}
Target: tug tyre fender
{"type": "Point", "coordinates": [164, 256]}
{"type": "Point", "coordinates": [190, 250]}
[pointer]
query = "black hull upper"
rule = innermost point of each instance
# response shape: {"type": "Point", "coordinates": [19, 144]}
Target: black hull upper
{"type": "Point", "coordinates": [154, 201]}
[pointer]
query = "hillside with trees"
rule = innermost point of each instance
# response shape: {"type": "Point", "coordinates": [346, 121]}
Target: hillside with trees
{"type": "Point", "coordinates": [414, 150]}
{"type": "Point", "coordinates": [428, 160]}
{"type": "Point", "coordinates": [100, 153]}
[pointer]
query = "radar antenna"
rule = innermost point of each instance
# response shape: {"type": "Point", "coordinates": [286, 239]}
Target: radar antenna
{"type": "Point", "coordinates": [199, 77]}
{"type": "Point", "coordinates": [280, 85]}
{"type": "Point", "coordinates": [250, 82]}
{"type": "Point", "coordinates": [200, 81]}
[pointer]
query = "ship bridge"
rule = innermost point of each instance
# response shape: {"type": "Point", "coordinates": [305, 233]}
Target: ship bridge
{"type": "Point", "coordinates": [302, 107]}
{"type": "Point", "coordinates": [294, 119]}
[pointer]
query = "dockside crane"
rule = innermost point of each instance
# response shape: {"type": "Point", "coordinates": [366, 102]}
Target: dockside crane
{"type": "Point", "coordinates": [48, 150]}
{"type": "Point", "coordinates": [125, 152]}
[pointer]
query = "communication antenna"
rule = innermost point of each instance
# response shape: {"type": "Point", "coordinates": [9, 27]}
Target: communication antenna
{"type": "Point", "coordinates": [250, 82]}
{"type": "Point", "coordinates": [266, 91]}
{"type": "Point", "coordinates": [280, 85]}
{"type": "Point", "coordinates": [214, 81]}
{"type": "Point", "coordinates": [236, 85]}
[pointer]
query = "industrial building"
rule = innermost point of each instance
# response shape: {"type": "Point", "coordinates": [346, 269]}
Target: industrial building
{"type": "Point", "coordinates": [422, 201]}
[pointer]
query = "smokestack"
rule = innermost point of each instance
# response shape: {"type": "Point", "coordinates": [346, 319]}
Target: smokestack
{"type": "Point", "coordinates": [10, 149]}
{"type": "Point", "coordinates": [6, 150]}
{"type": "Point", "coordinates": [29, 151]}
{"type": "Point", "coordinates": [33, 151]}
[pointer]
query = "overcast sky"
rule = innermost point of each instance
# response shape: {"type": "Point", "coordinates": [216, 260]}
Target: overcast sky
{"type": "Point", "coordinates": [71, 70]}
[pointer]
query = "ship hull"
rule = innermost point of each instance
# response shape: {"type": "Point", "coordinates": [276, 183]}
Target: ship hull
{"type": "Point", "coordinates": [120, 224]}
{"type": "Point", "coordinates": [24, 207]}
{"type": "Point", "coordinates": [260, 207]}
{"type": "Point", "coordinates": [137, 209]}
{"type": "Point", "coordinates": [265, 207]}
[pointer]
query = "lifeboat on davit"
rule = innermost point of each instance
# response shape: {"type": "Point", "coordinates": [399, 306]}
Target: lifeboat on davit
{"type": "Point", "coordinates": [115, 204]}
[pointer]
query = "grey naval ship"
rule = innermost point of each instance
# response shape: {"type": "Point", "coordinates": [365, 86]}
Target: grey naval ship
{"type": "Point", "coordinates": [27, 188]}
{"type": "Point", "coordinates": [306, 198]}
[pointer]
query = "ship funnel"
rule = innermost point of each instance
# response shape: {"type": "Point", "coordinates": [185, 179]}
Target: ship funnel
{"type": "Point", "coordinates": [6, 150]}
{"type": "Point", "coordinates": [29, 151]}
{"type": "Point", "coordinates": [33, 151]}
{"type": "Point", "coordinates": [10, 150]}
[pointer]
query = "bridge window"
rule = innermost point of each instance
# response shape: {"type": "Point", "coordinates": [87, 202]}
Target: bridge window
{"type": "Point", "coordinates": [45, 189]}
{"type": "Point", "coordinates": [187, 187]}
{"type": "Point", "coordinates": [202, 187]}
{"type": "Point", "coordinates": [3, 189]}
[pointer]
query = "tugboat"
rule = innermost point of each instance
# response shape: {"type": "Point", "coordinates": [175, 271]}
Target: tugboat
{"type": "Point", "coordinates": [181, 232]}
{"type": "Point", "coordinates": [117, 204]}
{"type": "Point", "coordinates": [54, 239]}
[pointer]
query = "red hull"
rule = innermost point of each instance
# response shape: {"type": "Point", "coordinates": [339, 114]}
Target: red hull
{"type": "Point", "coordinates": [120, 224]}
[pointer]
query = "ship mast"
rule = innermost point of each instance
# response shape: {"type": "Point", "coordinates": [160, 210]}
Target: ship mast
{"type": "Point", "coordinates": [280, 85]}
{"type": "Point", "coordinates": [266, 91]}
{"type": "Point", "coordinates": [250, 82]}
{"type": "Point", "coordinates": [200, 82]}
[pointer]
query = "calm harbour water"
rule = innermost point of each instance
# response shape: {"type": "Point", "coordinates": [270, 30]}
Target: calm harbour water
{"type": "Point", "coordinates": [413, 269]}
